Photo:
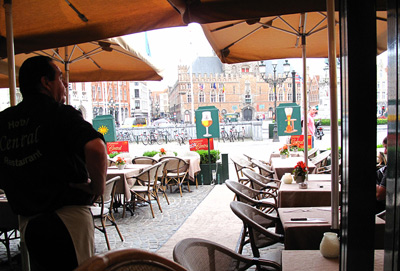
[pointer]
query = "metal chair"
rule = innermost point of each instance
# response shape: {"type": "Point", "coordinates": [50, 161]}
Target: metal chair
{"type": "Point", "coordinates": [129, 260]}
{"type": "Point", "coordinates": [321, 159]}
{"type": "Point", "coordinates": [312, 153]}
{"type": "Point", "coordinates": [103, 212]}
{"type": "Point", "coordinates": [202, 255]}
{"type": "Point", "coordinates": [255, 227]}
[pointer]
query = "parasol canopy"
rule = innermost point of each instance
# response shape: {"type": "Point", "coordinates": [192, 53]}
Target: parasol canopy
{"type": "Point", "coordinates": [48, 24]}
{"type": "Point", "coordinates": [105, 60]}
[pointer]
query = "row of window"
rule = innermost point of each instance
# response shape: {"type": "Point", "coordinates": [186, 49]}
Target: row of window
{"type": "Point", "coordinates": [247, 97]}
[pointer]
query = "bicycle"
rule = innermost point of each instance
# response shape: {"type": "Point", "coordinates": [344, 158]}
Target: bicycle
{"type": "Point", "coordinates": [224, 134]}
{"type": "Point", "coordinates": [177, 137]}
{"type": "Point", "coordinates": [241, 134]}
{"type": "Point", "coordinates": [233, 134]}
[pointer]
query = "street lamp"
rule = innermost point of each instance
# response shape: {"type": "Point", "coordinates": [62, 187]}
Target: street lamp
{"type": "Point", "coordinates": [275, 81]}
{"type": "Point", "coordinates": [294, 85]}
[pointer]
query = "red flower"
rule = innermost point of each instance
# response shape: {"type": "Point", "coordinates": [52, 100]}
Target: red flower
{"type": "Point", "coordinates": [162, 151]}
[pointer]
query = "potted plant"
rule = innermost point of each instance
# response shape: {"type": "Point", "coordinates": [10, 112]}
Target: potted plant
{"type": "Point", "coordinates": [300, 172]}
{"type": "Point", "coordinates": [208, 165]}
{"type": "Point", "coordinates": [120, 163]}
{"type": "Point", "coordinates": [284, 152]}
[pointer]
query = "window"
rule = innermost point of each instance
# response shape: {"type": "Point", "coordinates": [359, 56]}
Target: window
{"type": "Point", "coordinates": [213, 97]}
{"type": "Point", "coordinates": [289, 96]}
{"type": "Point", "coordinates": [247, 99]}
{"type": "Point", "coordinates": [189, 97]}
{"type": "Point", "coordinates": [247, 86]}
{"type": "Point", "coordinates": [280, 96]}
{"type": "Point", "coordinates": [234, 89]}
{"type": "Point", "coordinates": [137, 93]}
{"type": "Point", "coordinates": [136, 83]}
{"type": "Point", "coordinates": [245, 69]}
{"type": "Point", "coordinates": [271, 96]}
{"type": "Point", "coordinates": [298, 96]}
{"type": "Point", "coordinates": [221, 97]}
{"type": "Point", "coordinates": [201, 97]}
{"type": "Point", "coordinates": [99, 96]}
{"type": "Point", "coordinates": [137, 104]}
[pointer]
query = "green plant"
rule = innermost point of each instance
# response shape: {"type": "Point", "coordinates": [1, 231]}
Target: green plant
{"type": "Point", "coordinates": [112, 155]}
{"type": "Point", "coordinates": [150, 153]}
{"type": "Point", "coordinates": [381, 121]}
{"type": "Point", "coordinates": [214, 155]}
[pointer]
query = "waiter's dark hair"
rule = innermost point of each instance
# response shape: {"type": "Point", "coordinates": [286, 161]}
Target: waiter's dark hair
{"type": "Point", "coordinates": [31, 72]}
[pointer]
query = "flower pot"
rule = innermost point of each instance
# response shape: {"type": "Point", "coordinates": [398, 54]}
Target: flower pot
{"type": "Point", "coordinates": [120, 167]}
{"type": "Point", "coordinates": [300, 179]}
{"type": "Point", "coordinates": [283, 156]}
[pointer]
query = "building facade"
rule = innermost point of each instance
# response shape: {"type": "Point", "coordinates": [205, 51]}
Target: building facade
{"type": "Point", "coordinates": [237, 90]}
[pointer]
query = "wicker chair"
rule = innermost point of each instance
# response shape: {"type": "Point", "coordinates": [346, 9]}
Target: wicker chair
{"type": "Point", "coordinates": [321, 159]}
{"type": "Point", "coordinates": [268, 202]}
{"type": "Point", "coordinates": [144, 189]}
{"type": "Point", "coordinates": [144, 160]}
{"type": "Point", "coordinates": [9, 226]}
{"type": "Point", "coordinates": [103, 212]}
{"type": "Point", "coordinates": [255, 227]}
{"type": "Point", "coordinates": [312, 153]}
{"type": "Point", "coordinates": [264, 169]}
{"type": "Point", "coordinates": [176, 170]}
{"type": "Point", "coordinates": [261, 183]}
{"type": "Point", "coordinates": [129, 260]}
{"type": "Point", "coordinates": [239, 165]}
{"type": "Point", "coordinates": [202, 255]}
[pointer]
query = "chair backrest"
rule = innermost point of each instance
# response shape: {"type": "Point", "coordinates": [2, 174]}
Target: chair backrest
{"type": "Point", "coordinates": [109, 191]}
{"type": "Point", "coordinates": [144, 160]}
{"type": "Point", "coordinates": [129, 260]}
{"type": "Point", "coordinates": [243, 193]}
{"type": "Point", "coordinates": [257, 223]}
{"type": "Point", "coordinates": [8, 220]}
{"type": "Point", "coordinates": [202, 255]}
{"type": "Point", "coordinates": [312, 153]}
{"type": "Point", "coordinates": [148, 175]}
{"type": "Point", "coordinates": [239, 164]}
{"type": "Point", "coordinates": [258, 181]}
{"type": "Point", "coordinates": [264, 169]}
{"type": "Point", "coordinates": [320, 159]}
{"type": "Point", "coordinates": [175, 164]}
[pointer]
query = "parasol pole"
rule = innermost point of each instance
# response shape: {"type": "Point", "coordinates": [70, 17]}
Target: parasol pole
{"type": "Point", "coordinates": [305, 126]}
{"type": "Point", "coordinates": [66, 68]}
{"type": "Point", "coordinates": [10, 51]}
{"type": "Point", "coordinates": [334, 109]}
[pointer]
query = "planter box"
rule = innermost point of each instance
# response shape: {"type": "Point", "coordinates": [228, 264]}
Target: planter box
{"type": "Point", "coordinates": [205, 177]}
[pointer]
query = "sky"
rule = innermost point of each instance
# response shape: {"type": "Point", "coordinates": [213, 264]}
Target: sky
{"type": "Point", "coordinates": [182, 45]}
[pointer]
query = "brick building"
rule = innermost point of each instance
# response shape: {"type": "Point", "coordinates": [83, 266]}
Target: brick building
{"type": "Point", "coordinates": [235, 89]}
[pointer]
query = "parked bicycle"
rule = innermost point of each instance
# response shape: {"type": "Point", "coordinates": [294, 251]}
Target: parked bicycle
{"type": "Point", "coordinates": [224, 134]}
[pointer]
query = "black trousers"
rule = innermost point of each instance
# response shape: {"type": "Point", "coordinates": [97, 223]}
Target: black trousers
{"type": "Point", "coordinates": [49, 244]}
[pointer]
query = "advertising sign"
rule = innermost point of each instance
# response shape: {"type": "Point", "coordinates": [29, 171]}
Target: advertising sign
{"type": "Point", "coordinates": [299, 139]}
{"type": "Point", "coordinates": [289, 119]}
{"type": "Point", "coordinates": [207, 122]}
{"type": "Point", "coordinates": [118, 146]}
{"type": "Point", "coordinates": [200, 144]}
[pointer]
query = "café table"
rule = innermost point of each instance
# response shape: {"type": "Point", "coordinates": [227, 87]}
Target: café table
{"type": "Point", "coordinates": [291, 154]}
{"type": "Point", "coordinates": [318, 193]}
{"type": "Point", "coordinates": [124, 186]}
{"type": "Point", "coordinates": [312, 260]}
{"type": "Point", "coordinates": [307, 235]}
{"type": "Point", "coordinates": [282, 166]}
